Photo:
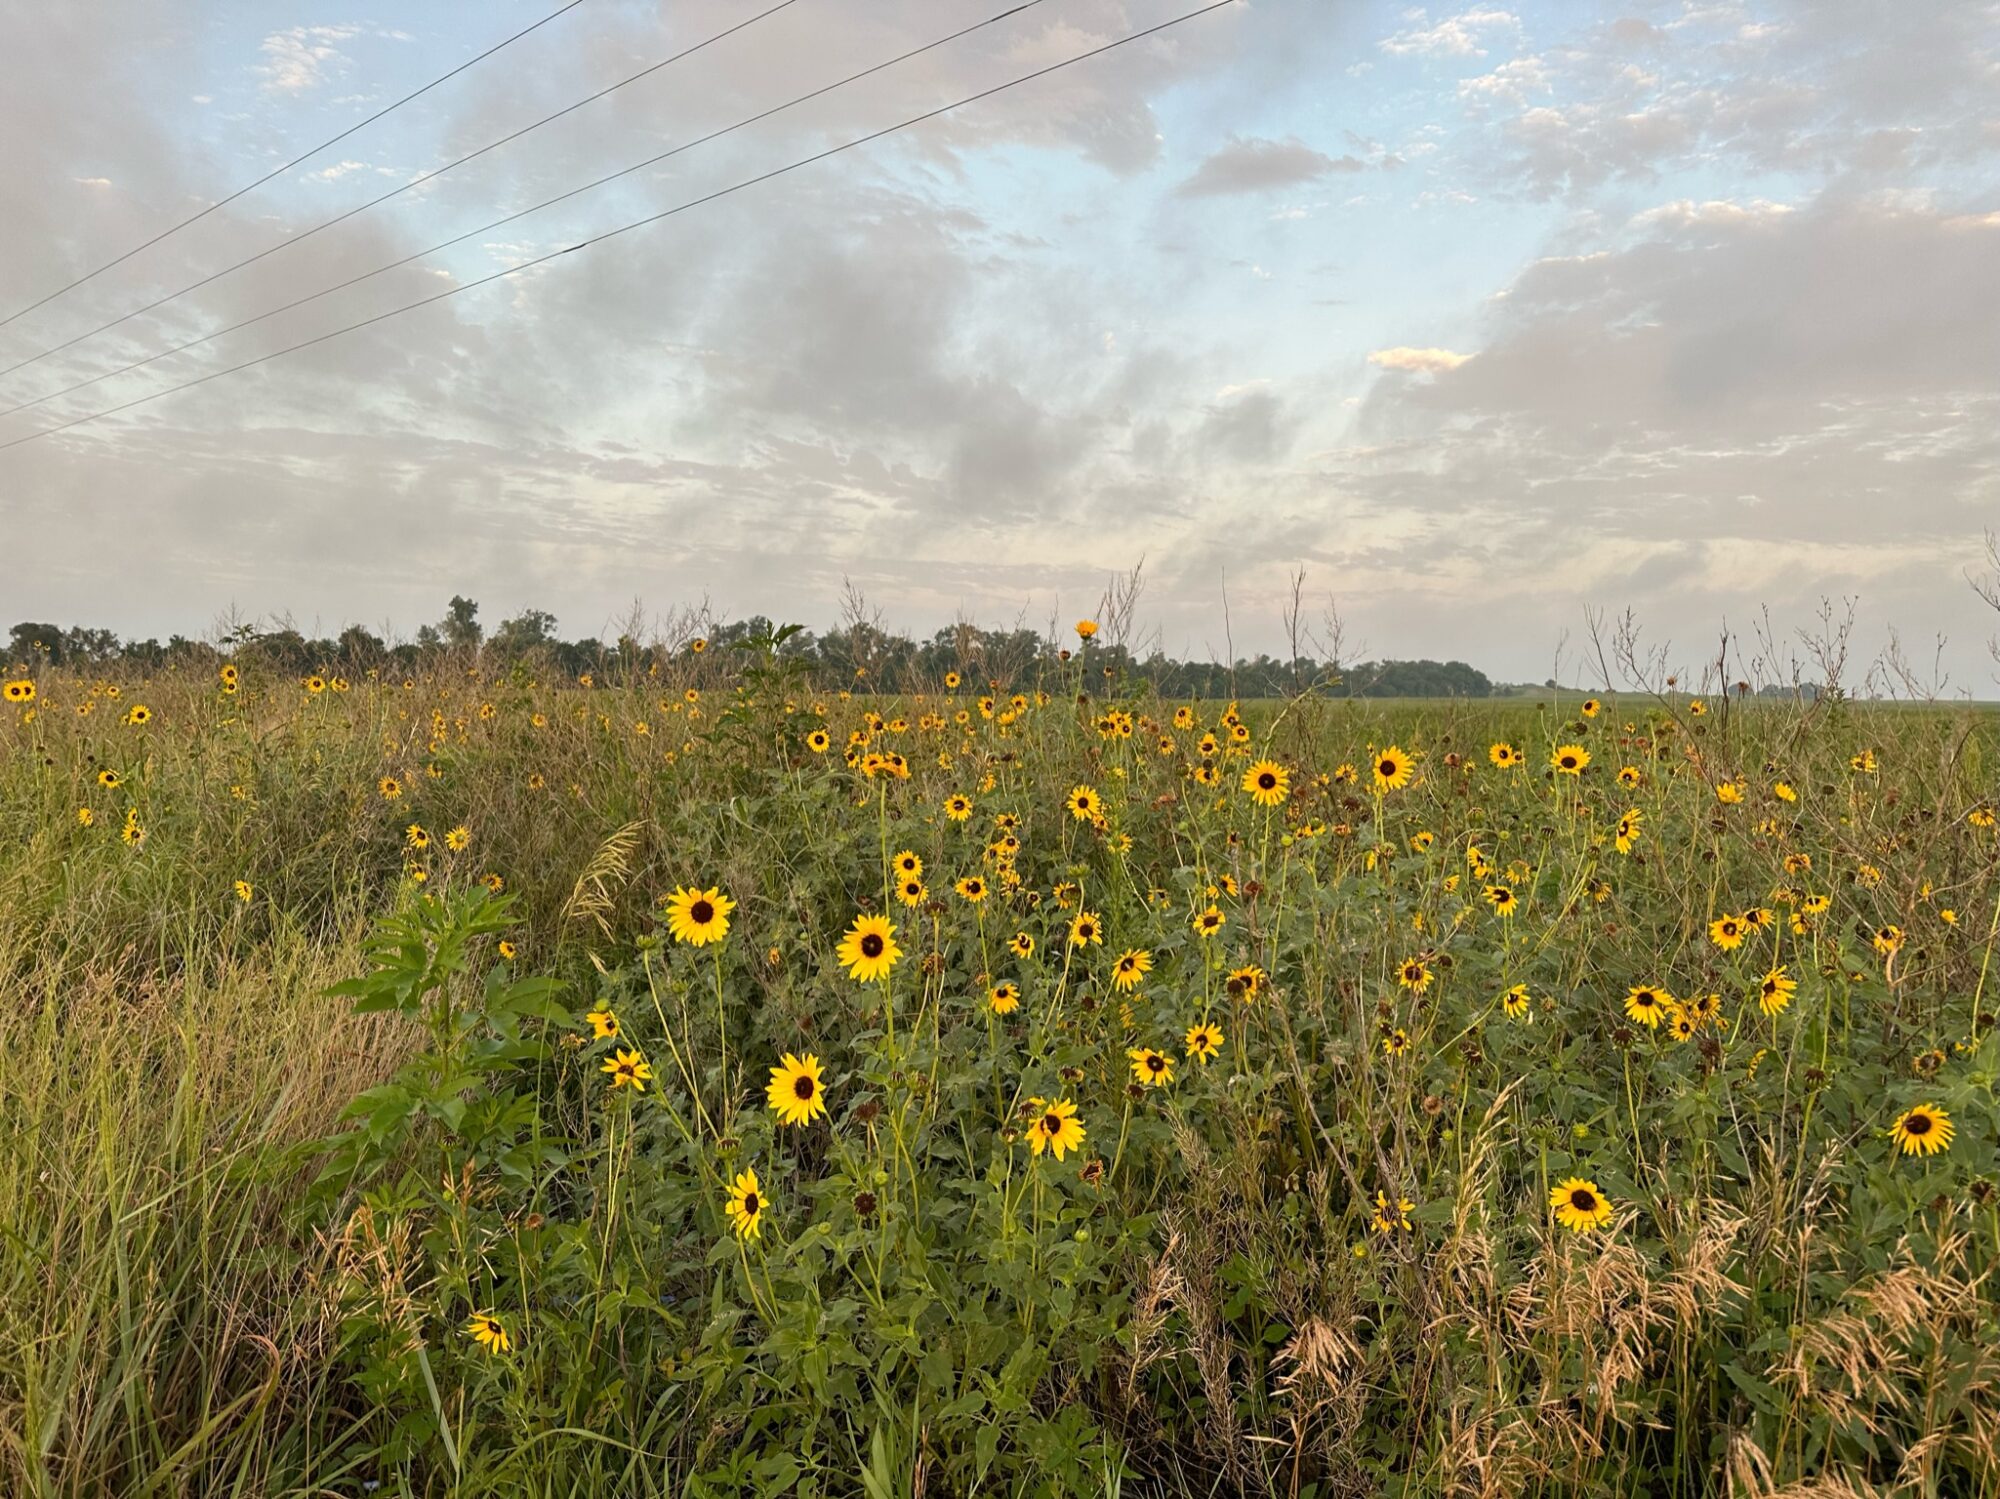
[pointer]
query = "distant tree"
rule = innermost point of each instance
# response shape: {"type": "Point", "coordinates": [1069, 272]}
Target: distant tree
{"type": "Point", "coordinates": [530, 630]}
{"type": "Point", "coordinates": [461, 624]}
{"type": "Point", "coordinates": [29, 641]}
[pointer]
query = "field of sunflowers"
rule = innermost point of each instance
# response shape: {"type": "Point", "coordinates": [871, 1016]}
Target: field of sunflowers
{"type": "Point", "coordinates": [698, 1079]}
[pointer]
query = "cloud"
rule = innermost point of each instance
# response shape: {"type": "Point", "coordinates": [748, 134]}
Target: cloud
{"type": "Point", "coordinates": [1461, 35]}
{"type": "Point", "coordinates": [1417, 361]}
{"type": "Point", "coordinates": [1251, 165]}
{"type": "Point", "coordinates": [298, 59]}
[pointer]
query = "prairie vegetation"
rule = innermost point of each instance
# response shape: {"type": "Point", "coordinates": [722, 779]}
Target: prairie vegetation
{"type": "Point", "coordinates": [699, 1079]}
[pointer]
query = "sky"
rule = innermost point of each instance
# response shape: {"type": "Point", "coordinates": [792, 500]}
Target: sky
{"type": "Point", "coordinates": [1491, 320]}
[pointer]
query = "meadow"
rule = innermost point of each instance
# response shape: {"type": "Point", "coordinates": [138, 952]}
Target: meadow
{"type": "Point", "coordinates": [692, 1078]}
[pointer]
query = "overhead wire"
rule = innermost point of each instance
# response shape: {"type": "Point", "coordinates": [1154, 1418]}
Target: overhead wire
{"type": "Point", "coordinates": [498, 223]}
{"type": "Point", "coordinates": [640, 223]}
{"type": "Point", "coordinates": [397, 191]}
{"type": "Point", "coordinates": [298, 160]}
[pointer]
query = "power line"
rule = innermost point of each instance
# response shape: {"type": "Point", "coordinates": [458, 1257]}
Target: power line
{"type": "Point", "coordinates": [295, 161]}
{"type": "Point", "coordinates": [609, 234]}
{"type": "Point", "coordinates": [393, 192]}
{"type": "Point", "coordinates": [523, 213]}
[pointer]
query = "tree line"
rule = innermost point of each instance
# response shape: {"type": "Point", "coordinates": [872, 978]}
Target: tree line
{"type": "Point", "coordinates": [860, 654]}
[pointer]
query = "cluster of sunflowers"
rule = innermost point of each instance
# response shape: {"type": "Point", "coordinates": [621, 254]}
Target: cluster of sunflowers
{"type": "Point", "coordinates": [1558, 969]}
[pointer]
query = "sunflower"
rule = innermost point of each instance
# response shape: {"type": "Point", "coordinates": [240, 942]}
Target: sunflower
{"type": "Point", "coordinates": [1268, 783]}
{"type": "Point", "coordinates": [628, 1070]}
{"type": "Point", "coordinates": [507, 950]}
{"type": "Point", "coordinates": [971, 889]}
{"type": "Point", "coordinates": [1396, 1043]}
{"type": "Point", "coordinates": [415, 836]}
{"type": "Point", "coordinates": [1923, 1130]}
{"type": "Point", "coordinates": [1085, 628]}
{"type": "Point", "coordinates": [1204, 1041]}
{"type": "Point", "coordinates": [1726, 932]}
{"type": "Point", "coordinates": [1648, 1005]}
{"type": "Point", "coordinates": [818, 741]}
{"type": "Point", "coordinates": [1004, 998]}
{"type": "Point", "coordinates": [1207, 923]}
{"type": "Point", "coordinates": [746, 1205]}
{"type": "Point", "coordinates": [458, 839]}
{"type": "Point", "coordinates": [389, 787]}
{"type": "Point", "coordinates": [698, 917]}
{"type": "Point", "coordinates": [603, 1025]}
{"type": "Point", "coordinates": [1630, 776]}
{"type": "Point", "coordinates": [1706, 1009]}
{"type": "Point", "coordinates": [1570, 759]}
{"type": "Point", "coordinates": [958, 808]}
{"type": "Point", "coordinates": [110, 780]}
{"type": "Point", "coordinates": [1592, 707]}
{"type": "Point", "coordinates": [21, 691]}
{"type": "Point", "coordinates": [911, 892]}
{"type": "Point", "coordinates": [1628, 830]}
{"type": "Point", "coordinates": [1414, 975]}
{"type": "Point", "coordinates": [245, 891]}
{"type": "Point", "coordinates": [1084, 804]}
{"type": "Point", "coordinates": [1023, 945]}
{"type": "Point", "coordinates": [1056, 1128]}
{"type": "Point", "coordinates": [1085, 928]}
{"type": "Point", "coordinates": [1516, 1003]}
{"type": "Point", "coordinates": [486, 1330]}
{"type": "Point", "coordinates": [1776, 990]}
{"type": "Point", "coordinates": [138, 714]}
{"type": "Point", "coordinates": [1683, 1026]}
{"type": "Point", "coordinates": [1246, 983]}
{"type": "Point", "coordinates": [1152, 1069]}
{"type": "Point", "coordinates": [1393, 767]}
{"type": "Point", "coordinates": [1501, 899]}
{"type": "Point", "coordinates": [1579, 1206]}
{"type": "Point", "coordinates": [1887, 940]}
{"type": "Point", "coordinates": [1131, 968]}
{"type": "Point", "coordinates": [869, 950]}
{"type": "Point", "coordinates": [794, 1093]}
{"type": "Point", "coordinates": [1504, 755]}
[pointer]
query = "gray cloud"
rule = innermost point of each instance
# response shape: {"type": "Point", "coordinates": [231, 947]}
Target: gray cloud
{"type": "Point", "coordinates": [1256, 166]}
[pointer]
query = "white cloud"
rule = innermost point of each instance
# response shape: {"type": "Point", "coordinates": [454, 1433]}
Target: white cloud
{"type": "Point", "coordinates": [337, 171]}
{"type": "Point", "coordinates": [92, 181]}
{"type": "Point", "coordinates": [298, 59]}
{"type": "Point", "coordinates": [1417, 361]}
{"type": "Point", "coordinates": [1456, 36]}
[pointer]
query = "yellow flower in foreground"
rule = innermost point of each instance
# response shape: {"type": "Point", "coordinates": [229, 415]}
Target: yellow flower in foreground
{"type": "Point", "coordinates": [1267, 783]}
{"type": "Point", "coordinates": [486, 1330]}
{"type": "Point", "coordinates": [869, 950]}
{"type": "Point", "coordinates": [1570, 759]}
{"type": "Point", "coordinates": [698, 917]}
{"type": "Point", "coordinates": [603, 1024]}
{"type": "Point", "coordinates": [795, 1094]}
{"type": "Point", "coordinates": [1924, 1130]}
{"type": "Point", "coordinates": [628, 1070]}
{"type": "Point", "coordinates": [746, 1205]}
{"type": "Point", "coordinates": [1726, 932]}
{"type": "Point", "coordinates": [1132, 966]}
{"type": "Point", "coordinates": [1579, 1206]}
{"type": "Point", "coordinates": [1153, 1068]}
{"type": "Point", "coordinates": [1393, 767]}
{"type": "Point", "coordinates": [1085, 628]}
{"type": "Point", "coordinates": [1204, 1041]}
{"type": "Point", "coordinates": [1055, 1128]}
{"type": "Point", "coordinates": [22, 691]}
{"type": "Point", "coordinates": [245, 892]}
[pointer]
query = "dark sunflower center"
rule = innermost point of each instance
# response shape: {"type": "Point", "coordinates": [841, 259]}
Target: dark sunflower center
{"type": "Point", "coordinates": [702, 912]}
{"type": "Point", "coordinates": [871, 946]}
{"type": "Point", "coordinates": [1084, 929]}
{"type": "Point", "coordinates": [803, 1086]}
{"type": "Point", "coordinates": [750, 1204]}
{"type": "Point", "coordinates": [1917, 1124]}
{"type": "Point", "coordinates": [1267, 781]}
{"type": "Point", "coordinates": [1387, 767]}
{"type": "Point", "coordinates": [1052, 1124]}
{"type": "Point", "coordinates": [1569, 762]}
{"type": "Point", "coordinates": [1155, 1062]}
{"type": "Point", "coordinates": [1582, 1201]}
